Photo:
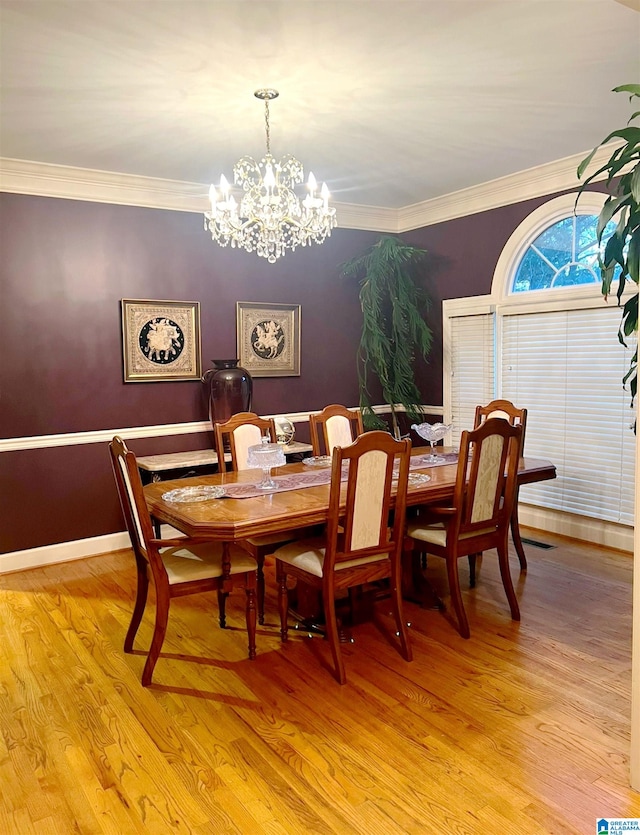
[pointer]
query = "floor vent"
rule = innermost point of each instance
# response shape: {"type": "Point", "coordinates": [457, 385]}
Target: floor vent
{"type": "Point", "coordinates": [537, 544]}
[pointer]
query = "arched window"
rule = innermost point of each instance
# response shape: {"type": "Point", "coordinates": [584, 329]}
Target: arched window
{"type": "Point", "coordinates": [554, 249]}
{"type": "Point", "coordinates": [564, 254]}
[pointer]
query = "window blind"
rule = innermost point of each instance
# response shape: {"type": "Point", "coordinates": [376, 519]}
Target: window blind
{"type": "Point", "coordinates": [472, 368]}
{"type": "Point", "coordinates": [566, 367]}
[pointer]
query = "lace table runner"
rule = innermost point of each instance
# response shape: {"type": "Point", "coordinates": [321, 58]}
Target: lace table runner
{"type": "Point", "coordinates": [315, 478]}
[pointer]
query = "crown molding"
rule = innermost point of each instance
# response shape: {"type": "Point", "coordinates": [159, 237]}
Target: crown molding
{"type": "Point", "coordinates": [515, 188]}
{"type": "Point", "coordinates": [65, 182]}
{"type": "Point", "coordinates": [367, 218]}
{"type": "Point", "coordinates": [68, 183]}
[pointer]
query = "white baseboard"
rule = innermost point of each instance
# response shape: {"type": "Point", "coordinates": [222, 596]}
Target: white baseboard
{"type": "Point", "coordinates": [63, 552]}
{"type": "Point", "coordinates": [565, 524]}
{"type": "Point", "coordinates": [583, 528]}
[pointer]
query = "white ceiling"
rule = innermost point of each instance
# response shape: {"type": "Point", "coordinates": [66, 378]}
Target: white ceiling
{"type": "Point", "coordinates": [392, 103]}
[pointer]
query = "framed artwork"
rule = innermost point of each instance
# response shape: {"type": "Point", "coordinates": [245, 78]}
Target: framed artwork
{"type": "Point", "coordinates": [269, 338]}
{"type": "Point", "coordinates": [160, 341]}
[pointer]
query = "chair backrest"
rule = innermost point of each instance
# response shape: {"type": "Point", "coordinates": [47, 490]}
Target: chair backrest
{"type": "Point", "coordinates": [359, 527]}
{"type": "Point", "coordinates": [241, 431]}
{"type": "Point", "coordinates": [502, 409]}
{"type": "Point", "coordinates": [132, 501]}
{"type": "Point", "coordinates": [334, 426]}
{"type": "Point", "coordinates": [486, 480]}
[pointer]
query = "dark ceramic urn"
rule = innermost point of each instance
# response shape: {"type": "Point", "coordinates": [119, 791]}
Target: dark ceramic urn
{"type": "Point", "coordinates": [228, 389]}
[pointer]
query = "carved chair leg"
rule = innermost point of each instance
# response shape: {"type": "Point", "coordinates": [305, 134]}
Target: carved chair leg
{"type": "Point", "coordinates": [222, 607]}
{"type": "Point", "coordinates": [396, 600]}
{"type": "Point", "coordinates": [456, 596]}
{"type": "Point", "coordinates": [418, 565]}
{"type": "Point", "coordinates": [250, 589]}
{"type": "Point", "coordinates": [503, 558]}
{"type": "Point", "coordinates": [163, 601]}
{"type": "Point", "coordinates": [472, 570]}
{"type": "Point", "coordinates": [515, 534]}
{"type": "Point", "coordinates": [138, 609]}
{"type": "Point", "coordinates": [260, 561]}
{"type": "Point", "coordinates": [283, 600]}
{"type": "Point", "coordinates": [333, 636]}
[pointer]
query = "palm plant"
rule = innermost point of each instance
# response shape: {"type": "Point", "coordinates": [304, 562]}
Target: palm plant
{"type": "Point", "coordinates": [394, 332]}
{"type": "Point", "coordinates": [621, 258]}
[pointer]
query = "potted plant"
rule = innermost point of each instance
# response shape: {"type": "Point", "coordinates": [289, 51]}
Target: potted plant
{"type": "Point", "coordinates": [621, 258]}
{"type": "Point", "coordinates": [394, 331]}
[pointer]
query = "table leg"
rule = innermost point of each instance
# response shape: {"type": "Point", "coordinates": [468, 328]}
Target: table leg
{"type": "Point", "coordinates": [157, 527]}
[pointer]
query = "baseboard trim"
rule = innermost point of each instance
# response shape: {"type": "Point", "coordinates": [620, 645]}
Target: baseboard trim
{"type": "Point", "coordinates": [583, 528]}
{"type": "Point", "coordinates": [63, 552]}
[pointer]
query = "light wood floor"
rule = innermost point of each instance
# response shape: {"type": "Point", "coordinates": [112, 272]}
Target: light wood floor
{"type": "Point", "coordinates": [522, 729]}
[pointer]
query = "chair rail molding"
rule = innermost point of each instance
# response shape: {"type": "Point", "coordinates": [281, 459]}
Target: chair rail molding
{"type": "Point", "coordinates": [99, 436]}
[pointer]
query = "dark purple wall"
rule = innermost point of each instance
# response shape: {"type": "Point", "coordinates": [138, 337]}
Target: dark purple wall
{"type": "Point", "coordinates": [64, 267]}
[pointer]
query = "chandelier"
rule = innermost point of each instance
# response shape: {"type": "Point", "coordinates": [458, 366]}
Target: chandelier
{"type": "Point", "coordinates": [270, 217]}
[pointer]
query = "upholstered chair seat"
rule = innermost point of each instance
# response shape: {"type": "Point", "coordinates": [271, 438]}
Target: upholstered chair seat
{"type": "Point", "coordinates": [201, 561]}
{"type": "Point", "coordinates": [436, 533]}
{"type": "Point", "coordinates": [309, 555]}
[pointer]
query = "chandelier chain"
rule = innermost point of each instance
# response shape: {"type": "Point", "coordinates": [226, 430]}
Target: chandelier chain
{"type": "Point", "coordinates": [266, 125]}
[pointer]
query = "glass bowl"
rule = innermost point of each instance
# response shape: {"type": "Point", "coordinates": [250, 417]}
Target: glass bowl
{"type": "Point", "coordinates": [317, 461]}
{"type": "Point", "coordinates": [203, 493]}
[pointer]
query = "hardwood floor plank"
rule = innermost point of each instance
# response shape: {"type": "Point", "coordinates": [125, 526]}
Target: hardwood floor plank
{"type": "Point", "coordinates": [16, 821]}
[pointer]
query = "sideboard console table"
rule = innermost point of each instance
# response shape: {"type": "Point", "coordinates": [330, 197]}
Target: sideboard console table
{"type": "Point", "coordinates": [199, 461]}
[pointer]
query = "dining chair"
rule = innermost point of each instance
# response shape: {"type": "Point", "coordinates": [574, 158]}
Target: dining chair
{"type": "Point", "coordinates": [478, 519]}
{"type": "Point", "coordinates": [516, 417]}
{"type": "Point", "coordinates": [334, 426]}
{"type": "Point", "coordinates": [236, 435]}
{"type": "Point", "coordinates": [177, 566]}
{"type": "Point", "coordinates": [360, 544]}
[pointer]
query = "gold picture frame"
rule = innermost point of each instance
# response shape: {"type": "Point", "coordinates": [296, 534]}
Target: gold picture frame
{"type": "Point", "coordinates": [160, 341]}
{"type": "Point", "coordinates": [268, 338]}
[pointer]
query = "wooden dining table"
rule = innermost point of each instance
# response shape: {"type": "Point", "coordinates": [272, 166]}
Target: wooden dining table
{"type": "Point", "coordinates": [232, 519]}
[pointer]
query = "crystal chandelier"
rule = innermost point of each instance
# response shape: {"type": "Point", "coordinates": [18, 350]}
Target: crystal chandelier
{"type": "Point", "coordinates": [270, 218]}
